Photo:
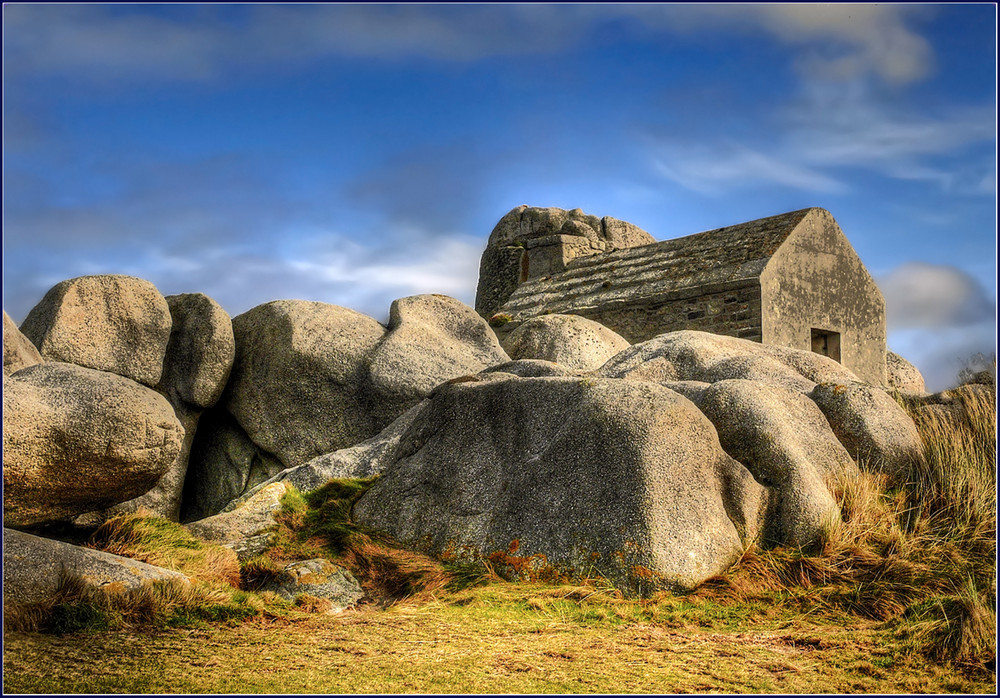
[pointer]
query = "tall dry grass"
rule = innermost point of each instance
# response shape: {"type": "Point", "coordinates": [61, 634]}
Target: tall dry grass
{"type": "Point", "coordinates": [79, 606]}
{"type": "Point", "coordinates": [922, 556]}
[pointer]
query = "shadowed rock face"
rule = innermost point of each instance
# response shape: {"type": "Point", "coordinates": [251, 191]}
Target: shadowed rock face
{"type": "Point", "coordinates": [224, 463]}
{"type": "Point", "coordinates": [76, 440]}
{"type": "Point", "coordinates": [573, 341]}
{"type": "Point", "coordinates": [200, 352]}
{"type": "Point", "coordinates": [18, 351]}
{"type": "Point", "coordinates": [107, 322]}
{"type": "Point", "coordinates": [621, 477]}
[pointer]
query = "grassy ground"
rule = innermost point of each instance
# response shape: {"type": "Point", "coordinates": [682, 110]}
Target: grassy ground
{"type": "Point", "coordinates": [517, 638]}
{"type": "Point", "coordinates": [899, 598]}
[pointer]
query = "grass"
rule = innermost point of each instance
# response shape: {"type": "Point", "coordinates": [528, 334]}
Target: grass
{"type": "Point", "coordinates": [899, 597]}
{"type": "Point", "coordinates": [499, 637]}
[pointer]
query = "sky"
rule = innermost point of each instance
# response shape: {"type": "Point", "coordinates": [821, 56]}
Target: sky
{"type": "Point", "coordinates": [355, 154]}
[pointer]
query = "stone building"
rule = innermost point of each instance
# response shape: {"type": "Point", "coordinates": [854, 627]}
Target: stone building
{"type": "Point", "coordinates": [792, 280]}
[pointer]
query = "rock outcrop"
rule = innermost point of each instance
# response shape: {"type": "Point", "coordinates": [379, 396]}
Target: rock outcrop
{"type": "Point", "coordinates": [312, 379]}
{"type": "Point", "coordinates": [506, 257]}
{"type": "Point", "coordinates": [198, 361]}
{"type": "Point", "coordinates": [619, 477]}
{"type": "Point", "coordinates": [76, 440]}
{"type": "Point", "coordinates": [18, 351]}
{"type": "Point", "coordinates": [32, 565]}
{"type": "Point", "coordinates": [108, 322]}
{"type": "Point", "coordinates": [570, 340]}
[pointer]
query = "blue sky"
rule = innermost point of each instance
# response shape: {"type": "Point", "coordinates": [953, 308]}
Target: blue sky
{"type": "Point", "coordinates": [354, 154]}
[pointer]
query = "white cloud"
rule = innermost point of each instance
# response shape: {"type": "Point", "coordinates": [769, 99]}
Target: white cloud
{"type": "Point", "coordinates": [940, 354]}
{"type": "Point", "coordinates": [835, 41]}
{"type": "Point", "coordinates": [920, 295]}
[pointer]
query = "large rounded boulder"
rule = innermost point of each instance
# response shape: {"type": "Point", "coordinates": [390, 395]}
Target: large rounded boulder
{"type": "Point", "coordinates": [689, 355]}
{"type": "Point", "coordinates": [200, 351]}
{"type": "Point", "coordinates": [570, 340]}
{"type": "Point", "coordinates": [618, 478]}
{"type": "Point", "coordinates": [782, 437]}
{"type": "Point", "coordinates": [107, 322]}
{"type": "Point", "coordinates": [873, 427]}
{"type": "Point", "coordinates": [297, 386]}
{"type": "Point", "coordinates": [76, 440]}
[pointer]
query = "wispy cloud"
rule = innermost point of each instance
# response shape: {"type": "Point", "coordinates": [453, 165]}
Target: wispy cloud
{"type": "Point", "coordinates": [719, 167]}
{"type": "Point", "coordinates": [818, 137]}
{"type": "Point", "coordinates": [348, 274]}
{"type": "Point", "coordinates": [205, 42]}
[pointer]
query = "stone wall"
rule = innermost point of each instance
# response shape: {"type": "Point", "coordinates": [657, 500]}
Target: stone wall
{"type": "Point", "coordinates": [734, 312]}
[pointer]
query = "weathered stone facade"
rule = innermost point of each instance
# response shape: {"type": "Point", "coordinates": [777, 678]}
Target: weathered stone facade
{"type": "Point", "coordinates": [791, 280]}
{"type": "Point", "coordinates": [735, 312]}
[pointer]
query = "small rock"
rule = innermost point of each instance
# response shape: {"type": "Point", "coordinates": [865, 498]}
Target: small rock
{"type": "Point", "coordinates": [320, 578]}
{"type": "Point", "coordinates": [902, 375]}
{"type": "Point", "coordinates": [243, 527]}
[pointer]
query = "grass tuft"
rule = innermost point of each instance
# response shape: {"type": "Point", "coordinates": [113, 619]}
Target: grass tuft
{"type": "Point", "coordinates": [152, 539]}
{"type": "Point", "coordinates": [318, 524]}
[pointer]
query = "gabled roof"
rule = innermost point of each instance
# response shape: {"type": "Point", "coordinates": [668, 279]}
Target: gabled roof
{"type": "Point", "coordinates": [671, 269]}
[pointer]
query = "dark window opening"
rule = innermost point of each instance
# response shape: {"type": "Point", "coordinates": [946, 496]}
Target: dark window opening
{"type": "Point", "coordinates": [826, 343]}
